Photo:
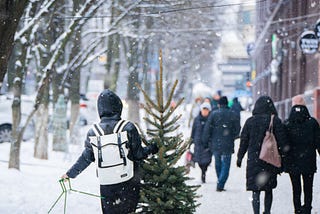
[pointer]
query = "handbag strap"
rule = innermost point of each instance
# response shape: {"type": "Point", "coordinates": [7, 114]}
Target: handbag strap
{"type": "Point", "coordinates": [271, 124]}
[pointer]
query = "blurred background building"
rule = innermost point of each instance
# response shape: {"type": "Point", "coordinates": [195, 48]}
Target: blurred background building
{"type": "Point", "coordinates": [285, 64]}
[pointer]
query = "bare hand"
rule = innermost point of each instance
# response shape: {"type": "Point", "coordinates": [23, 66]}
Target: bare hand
{"type": "Point", "coordinates": [65, 177]}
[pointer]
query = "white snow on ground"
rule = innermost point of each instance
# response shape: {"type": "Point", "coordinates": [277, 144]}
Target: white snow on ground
{"type": "Point", "coordinates": [35, 187]}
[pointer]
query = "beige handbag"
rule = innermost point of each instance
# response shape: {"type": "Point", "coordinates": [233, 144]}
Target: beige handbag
{"type": "Point", "coordinates": [269, 148]}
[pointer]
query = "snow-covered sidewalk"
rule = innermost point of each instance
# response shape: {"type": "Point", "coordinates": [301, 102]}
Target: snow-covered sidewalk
{"type": "Point", "coordinates": [34, 188]}
{"type": "Point", "coordinates": [237, 200]}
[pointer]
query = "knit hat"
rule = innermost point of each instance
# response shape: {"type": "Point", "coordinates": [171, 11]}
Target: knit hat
{"type": "Point", "coordinates": [298, 100]}
{"type": "Point", "coordinates": [205, 105]}
{"type": "Point", "coordinates": [223, 101]}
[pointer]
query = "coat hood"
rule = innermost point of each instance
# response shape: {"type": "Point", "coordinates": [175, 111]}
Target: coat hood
{"type": "Point", "coordinates": [299, 113]}
{"type": "Point", "coordinates": [109, 104]}
{"type": "Point", "coordinates": [264, 105]}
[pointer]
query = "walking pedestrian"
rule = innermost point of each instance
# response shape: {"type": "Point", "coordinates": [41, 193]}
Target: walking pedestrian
{"type": "Point", "coordinates": [219, 134]}
{"type": "Point", "coordinates": [260, 175]}
{"type": "Point", "coordinates": [236, 107]}
{"type": "Point", "coordinates": [120, 195]}
{"type": "Point", "coordinates": [303, 139]}
{"type": "Point", "coordinates": [202, 155]}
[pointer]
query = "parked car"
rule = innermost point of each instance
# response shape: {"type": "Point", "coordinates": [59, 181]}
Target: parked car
{"type": "Point", "coordinates": [83, 113]}
{"type": "Point", "coordinates": [6, 118]}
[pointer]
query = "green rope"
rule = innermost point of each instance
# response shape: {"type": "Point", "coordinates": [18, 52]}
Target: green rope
{"type": "Point", "coordinates": [86, 193]}
{"type": "Point", "coordinates": [64, 192]}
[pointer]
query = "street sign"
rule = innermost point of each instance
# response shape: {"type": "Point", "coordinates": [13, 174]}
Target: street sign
{"type": "Point", "coordinates": [317, 29]}
{"type": "Point", "coordinates": [309, 42]}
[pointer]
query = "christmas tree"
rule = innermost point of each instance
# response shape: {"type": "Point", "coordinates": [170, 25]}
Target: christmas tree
{"type": "Point", "coordinates": [165, 188]}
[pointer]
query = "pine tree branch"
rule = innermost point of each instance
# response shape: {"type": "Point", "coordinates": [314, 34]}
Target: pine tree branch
{"type": "Point", "coordinates": [160, 90]}
{"type": "Point", "coordinates": [171, 94]}
{"type": "Point", "coordinates": [146, 96]}
{"type": "Point", "coordinates": [148, 109]}
{"type": "Point", "coordinates": [159, 95]}
{"type": "Point", "coordinates": [152, 122]}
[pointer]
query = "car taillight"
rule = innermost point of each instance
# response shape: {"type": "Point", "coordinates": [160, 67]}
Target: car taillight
{"type": "Point", "coordinates": [83, 105]}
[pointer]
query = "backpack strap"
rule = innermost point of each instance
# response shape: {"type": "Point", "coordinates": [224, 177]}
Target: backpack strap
{"type": "Point", "coordinates": [271, 123]}
{"type": "Point", "coordinates": [117, 128]}
{"type": "Point", "coordinates": [120, 125]}
{"type": "Point", "coordinates": [98, 130]}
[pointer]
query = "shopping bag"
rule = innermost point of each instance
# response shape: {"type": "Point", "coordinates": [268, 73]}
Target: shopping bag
{"type": "Point", "coordinates": [189, 161]}
{"type": "Point", "coordinates": [269, 148]}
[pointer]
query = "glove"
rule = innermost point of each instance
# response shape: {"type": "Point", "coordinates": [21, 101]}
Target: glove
{"type": "Point", "coordinates": [239, 163]}
{"type": "Point", "coordinates": [153, 148]}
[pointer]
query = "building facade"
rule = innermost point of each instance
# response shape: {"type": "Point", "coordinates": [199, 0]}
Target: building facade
{"type": "Point", "coordinates": [281, 68]}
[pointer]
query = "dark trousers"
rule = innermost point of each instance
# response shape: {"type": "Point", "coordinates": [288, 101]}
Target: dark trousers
{"type": "Point", "coordinates": [267, 201]}
{"type": "Point", "coordinates": [307, 190]}
{"type": "Point", "coordinates": [204, 168]}
{"type": "Point", "coordinates": [120, 198]}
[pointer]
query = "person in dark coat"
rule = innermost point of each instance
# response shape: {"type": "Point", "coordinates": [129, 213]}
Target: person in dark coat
{"type": "Point", "coordinates": [304, 139]}
{"type": "Point", "coordinates": [219, 134]}
{"type": "Point", "coordinates": [121, 197]}
{"type": "Point", "coordinates": [236, 107]}
{"type": "Point", "coordinates": [202, 155]}
{"type": "Point", "coordinates": [260, 175]}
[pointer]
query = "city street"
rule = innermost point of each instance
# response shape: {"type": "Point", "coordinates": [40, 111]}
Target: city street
{"type": "Point", "coordinates": [35, 187]}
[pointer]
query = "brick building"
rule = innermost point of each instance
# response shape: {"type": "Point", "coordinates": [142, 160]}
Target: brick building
{"type": "Point", "coordinates": [280, 68]}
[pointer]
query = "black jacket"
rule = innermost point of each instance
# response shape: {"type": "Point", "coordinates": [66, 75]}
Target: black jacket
{"type": "Point", "coordinates": [121, 197]}
{"type": "Point", "coordinates": [251, 139]}
{"type": "Point", "coordinates": [110, 108]}
{"type": "Point", "coordinates": [220, 131]}
{"type": "Point", "coordinates": [304, 138]}
{"type": "Point", "coordinates": [202, 155]}
{"type": "Point", "coordinates": [236, 107]}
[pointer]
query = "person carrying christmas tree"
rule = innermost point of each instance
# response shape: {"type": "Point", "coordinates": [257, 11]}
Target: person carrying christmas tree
{"type": "Point", "coordinates": [115, 146]}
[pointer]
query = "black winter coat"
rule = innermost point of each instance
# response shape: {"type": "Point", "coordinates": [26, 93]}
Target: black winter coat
{"type": "Point", "coordinates": [110, 108]}
{"type": "Point", "coordinates": [236, 108]}
{"type": "Point", "coordinates": [202, 155]}
{"type": "Point", "coordinates": [220, 131]}
{"type": "Point", "coordinates": [304, 138]}
{"type": "Point", "coordinates": [260, 175]}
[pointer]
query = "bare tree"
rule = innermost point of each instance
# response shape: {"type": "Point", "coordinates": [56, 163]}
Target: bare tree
{"type": "Point", "coordinates": [47, 66]}
{"type": "Point", "coordinates": [10, 14]}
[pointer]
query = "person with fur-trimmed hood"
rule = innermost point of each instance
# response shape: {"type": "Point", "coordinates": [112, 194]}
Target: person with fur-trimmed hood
{"type": "Point", "coordinates": [120, 197]}
{"type": "Point", "coordinates": [304, 139]}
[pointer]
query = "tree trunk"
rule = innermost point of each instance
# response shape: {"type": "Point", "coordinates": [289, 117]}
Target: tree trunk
{"type": "Point", "coordinates": [74, 123]}
{"type": "Point", "coordinates": [41, 138]}
{"type": "Point", "coordinates": [10, 14]}
{"type": "Point", "coordinates": [14, 160]}
{"type": "Point", "coordinates": [42, 118]}
{"type": "Point", "coordinates": [111, 76]}
{"type": "Point", "coordinates": [133, 92]}
{"type": "Point", "coordinates": [134, 65]}
{"type": "Point", "coordinates": [74, 92]}
{"type": "Point", "coordinates": [59, 125]}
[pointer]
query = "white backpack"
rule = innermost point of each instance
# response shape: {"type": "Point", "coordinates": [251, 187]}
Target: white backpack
{"type": "Point", "coordinates": [111, 153]}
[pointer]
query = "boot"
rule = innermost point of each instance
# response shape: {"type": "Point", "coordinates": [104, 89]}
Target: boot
{"type": "Point", "coordinates": [298, 211]}
{"type": "Point", "coordinates": [203, 177]}
{"type": "Point", "coordinates": [306, 210]}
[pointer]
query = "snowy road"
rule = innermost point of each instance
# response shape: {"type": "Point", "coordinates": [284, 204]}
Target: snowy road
{"type": "Point", "coordinates": [34, 188]}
